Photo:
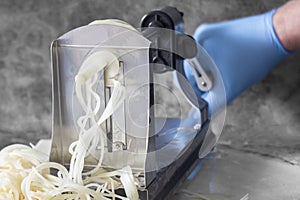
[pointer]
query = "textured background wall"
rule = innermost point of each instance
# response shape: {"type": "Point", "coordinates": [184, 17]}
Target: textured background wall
{"type": "Point", "coordinates": [265, 119]}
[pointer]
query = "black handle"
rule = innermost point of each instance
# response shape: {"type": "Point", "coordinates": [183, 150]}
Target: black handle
{"type": "Point", "coordinates": [168, 47]}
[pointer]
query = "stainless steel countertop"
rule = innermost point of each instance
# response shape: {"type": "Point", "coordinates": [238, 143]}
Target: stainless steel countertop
{"type": "Point", "coordinates": [231, 174]}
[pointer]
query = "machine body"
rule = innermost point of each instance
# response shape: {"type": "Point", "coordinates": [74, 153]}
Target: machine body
{"type": "Point", "coordinates": [160, 125]}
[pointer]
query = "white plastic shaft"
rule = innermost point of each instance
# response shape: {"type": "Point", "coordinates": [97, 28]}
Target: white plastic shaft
{"type": "Point", "coordinates": [97, 62]}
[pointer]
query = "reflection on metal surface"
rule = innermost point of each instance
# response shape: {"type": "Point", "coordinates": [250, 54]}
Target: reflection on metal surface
{"type": "Point", "coordinates": [234, 174]}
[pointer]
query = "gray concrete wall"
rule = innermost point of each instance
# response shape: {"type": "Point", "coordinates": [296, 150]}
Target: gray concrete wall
{"type": "Point", "coordinates": [265, 119]}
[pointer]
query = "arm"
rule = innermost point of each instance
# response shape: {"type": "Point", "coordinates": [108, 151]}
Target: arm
{"type": "Point", "coordinates": [245, 50]}
{"type": "Point", "coordinates": [287, 25]}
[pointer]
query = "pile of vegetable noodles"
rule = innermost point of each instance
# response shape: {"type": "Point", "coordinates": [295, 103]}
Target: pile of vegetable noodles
{"type": "Point", "coordinates": [25, 172]}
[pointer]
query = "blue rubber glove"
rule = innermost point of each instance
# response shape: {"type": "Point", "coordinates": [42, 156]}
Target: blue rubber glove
{"type": "Point", "coordinates": [244, 50]}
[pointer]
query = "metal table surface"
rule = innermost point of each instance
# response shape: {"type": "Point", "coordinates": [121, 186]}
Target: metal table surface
{"type": "Point", "coordinates": [231, 174]}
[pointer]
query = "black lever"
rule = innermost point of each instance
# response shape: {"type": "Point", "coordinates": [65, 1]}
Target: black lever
{"type": "Point", "coordinates": [169, 46]}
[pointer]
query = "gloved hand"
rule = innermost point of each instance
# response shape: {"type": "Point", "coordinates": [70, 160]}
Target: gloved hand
{"type": "Point", "coordinates": [244, 50]}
